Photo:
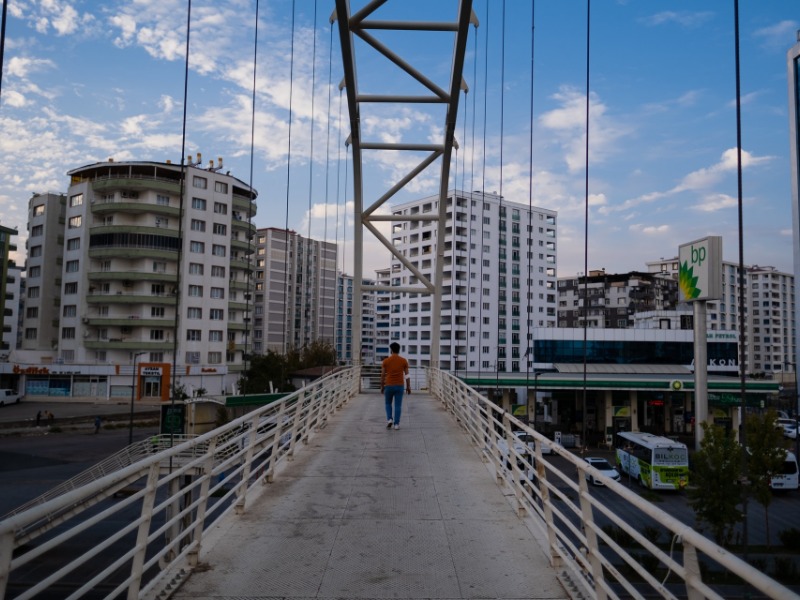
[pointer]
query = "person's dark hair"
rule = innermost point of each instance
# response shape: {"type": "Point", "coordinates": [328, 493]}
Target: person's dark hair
{"type": "Point", "coordinates": [394, 347]}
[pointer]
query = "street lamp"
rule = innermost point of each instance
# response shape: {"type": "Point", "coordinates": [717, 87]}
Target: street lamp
{"type": "Point", "coordinates": [133, 394]}
{"type": "Point", "coordinates": [796, 409]}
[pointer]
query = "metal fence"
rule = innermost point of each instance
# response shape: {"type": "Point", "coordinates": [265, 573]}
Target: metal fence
{"type": "Point", "coordinates": [597, 548]}
{"type": "Point", "coordinates": [137, 530]}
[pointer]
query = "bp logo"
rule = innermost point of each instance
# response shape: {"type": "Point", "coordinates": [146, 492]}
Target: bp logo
{"type": "Point", "coordinates": [676, 385]}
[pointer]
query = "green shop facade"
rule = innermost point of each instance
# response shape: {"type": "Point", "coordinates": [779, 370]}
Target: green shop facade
{"type": "Point", "coordinates": [630, 380]}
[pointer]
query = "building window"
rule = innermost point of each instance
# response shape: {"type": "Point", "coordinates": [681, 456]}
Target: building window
{"type": "Point", "coordinates": [194, 312]}
{"type": "Point", "coordinates": [159, 267]}
{"type": "Point", "coordinates": [37, 230]}
{"type": "Point", "coordinates": [195, 269]}
{"type": "Point", "coordinates": [35, 252]}
{"type": "Point", "coordinates": [200, 182]}
{"type": "Point", "coordinates": [72, 266]}
{"type": "Point", "coordinates": [198, 225]}
{"type": "Point", "coordinates": [198, 203]}
{"type": "Point", "coordinates": [30, 333]}
{"type": "Point", "coordinates": [217, 271]}
{"type": "Point", "coordinates": [217, 292]}
{"type": "Point", "coordinates": [157, 311]}
{"type": "Point", "coordinates": [194, 335]}
{"type": "Point", "coordinates": [218, 250]}
{"type": "Point", "coordinates": [74, 244]}
{"type": "Point", "coordinates": [220, 229]}
{"type": "Point", "coordinates": [221, 187]}
{"type": "Point", "coordinates": [67, 333]}
{"type": "Point", "coordinates": [38, 210]}
{"type": "Point", "coordinates": [193, 358]}
{"type": "Point", "coordinates": [220, 208]}
{"type": "Point", "coordinates": [216, 314]}
{"type": "Point", "coordinates": [71, 288]}
{"type": "Point", "coordinates": [215, 335]}
{"type": "Point", "coordinates": [156, 357]}
{"type": "Point", "coordinates": [76, 200]}
{"type": "Point", "coordinates": [75, 222]}
{"type": "Point", "coordinates": [32, 312]}
{"type": "Point", "coordinates": [156, 334]}
{"type": "Point", "coordinates": [196, 291]}
{"type": "Point", "coordinates": [70, 310]}
{"type": "Point", "coordinates": [197, 247]}
{"type": "Point", "coordinates": [162, 200]}
{"type": "Point", "coordinates": [34, 272]}
{"type": "Point", "coordinates": [214, 358]}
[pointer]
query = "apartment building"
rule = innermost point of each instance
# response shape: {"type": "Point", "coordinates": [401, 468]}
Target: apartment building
{"type": "Point", "coordinates": [793, 78]}
{"type": "Point", "coordinates": [383, 312]}
{"type": "Point", "coordinates": [770, 320]}
{"type": "Point", "coordinates": [295, 283]}
{"type": "Point", "coordinates": [499, 281]}
{"type": "Point", "coordinates": [613, 298]}
{"type": "Point", "coordinates": [121, 273]}
{"type": "Point", "coordinates": [12, 314]}
{"type": "Point", "coordinates": [344, 321]}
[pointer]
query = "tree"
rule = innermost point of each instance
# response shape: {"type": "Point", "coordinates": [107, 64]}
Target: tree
{"type": "Point", "coordinates": [263, 370]}
{"type": "Point", "coordinates": [318, 354]}
{"type": "Point", "coordinates": [714, 490]}
{"type": "Point", "coordinates": [766, 455]}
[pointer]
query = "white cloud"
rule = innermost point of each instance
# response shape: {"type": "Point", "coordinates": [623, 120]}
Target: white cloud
{"type": "Point", "coordinates": [715, 202]}
{"type": "Point", "coordinates": [650, 230]}
{"type": "Point", "coordinates": [779, 36]}
{"type": "Point", "coordinates": [14, 99]}
{"type": "Point", "coordinates": [21, 66]}
{"type": "Point", "coordinates": [709, 176]}
{"type": "Point", "coordinates": [683, 18]}
{"type": "Point", "coordinates": [568, 126]}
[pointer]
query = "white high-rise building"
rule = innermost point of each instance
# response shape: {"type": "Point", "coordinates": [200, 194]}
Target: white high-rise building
{"type": "Point", "coordinates": [344, 321]}
{"type": "Point", "coordinates": [383, 308]}
{"type": "Point", "coordinates": [140, 278]}
{"type": "Point", "coordinates": [499, 281]}
{"type": "Point", "coordinates": [770, 321]}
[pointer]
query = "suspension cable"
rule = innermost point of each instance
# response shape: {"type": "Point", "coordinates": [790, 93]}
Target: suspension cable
{"type": "Point", "coordinates": [586, 228]}
{"type": "Point", "coordinates": [288, 185]}
{"type": "Point", "coordinates": [529, 342]}
{"type": "Point", "coordinates": [327, 181]}
{"type": "Point", "coordinates": [483, 187]}
{"type": "Point", "coordinates": [250, 235]}
{"type": "Point", "coordinates": [471, 200]}
{"type": "Point", "coordinates": [307, 275]}
{"type": "Point", "coordinates": [338, 191]}
{"type": "Point", "coordinates": [502, 221]}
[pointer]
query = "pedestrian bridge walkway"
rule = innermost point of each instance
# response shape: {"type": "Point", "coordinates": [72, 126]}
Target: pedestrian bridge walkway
{"type": "Point", "coordinates": [312, 497]}
{"type": "Point", "coordinates": [368, 512]}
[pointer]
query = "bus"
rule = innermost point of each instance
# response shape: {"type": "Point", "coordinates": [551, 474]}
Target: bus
{"type": "Point", "coordinates": [657, 462]}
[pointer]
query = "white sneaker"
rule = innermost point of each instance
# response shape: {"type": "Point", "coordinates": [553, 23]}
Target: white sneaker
{"type": "Point", "coordinates": [389, 424]}
{"type": "Point", "coordinates": [397, 426]}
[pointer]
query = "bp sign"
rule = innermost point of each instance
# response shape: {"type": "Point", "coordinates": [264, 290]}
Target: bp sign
{"type": "Point", "coordinates": [700, 269]}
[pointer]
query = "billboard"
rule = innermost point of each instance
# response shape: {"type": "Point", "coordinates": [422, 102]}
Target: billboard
{"type": "Point", "coordinates": [700, 269]}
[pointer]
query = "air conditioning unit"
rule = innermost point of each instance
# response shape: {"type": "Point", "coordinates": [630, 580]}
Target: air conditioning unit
{"type": "Point", "coordinates": [85, 320]}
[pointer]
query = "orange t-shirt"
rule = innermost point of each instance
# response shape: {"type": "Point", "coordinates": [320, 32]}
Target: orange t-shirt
{"type": "Point", "coordinates": [394, 367]}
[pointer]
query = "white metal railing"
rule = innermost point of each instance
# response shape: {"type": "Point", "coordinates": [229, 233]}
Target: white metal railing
{"type": "Point", "coordinates": [573, 520]}
{"type": "Point", "coordinates": [135, 531]}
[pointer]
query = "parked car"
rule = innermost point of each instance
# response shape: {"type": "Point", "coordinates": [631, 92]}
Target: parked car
{"type": "Point", "coordinates": [602, 465]}
{"type": "Point", "coordinates": [789, 426]}
{"type": "Point", "coordinates": [8, 397]}
{"type": "Point", "coordinates": [530, 441]}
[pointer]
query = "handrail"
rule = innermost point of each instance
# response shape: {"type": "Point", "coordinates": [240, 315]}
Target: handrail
{"type": "Point", "coordinates": [575, 536]}
{"type": "Point", "coordinates": [146, 520]}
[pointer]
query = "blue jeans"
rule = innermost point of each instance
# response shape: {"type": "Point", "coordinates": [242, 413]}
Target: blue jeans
{"type": "Point", "coordinates": [393, 392]}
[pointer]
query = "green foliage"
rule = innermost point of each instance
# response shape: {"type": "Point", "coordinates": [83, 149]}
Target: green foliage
{"type": "Point", "coordinates": [276, 368]}
{"type": "Point", "coordinates": [766, 455]}
{"type": "Point", "coordinates": [222, 417]}
{"type": "Point", "coordinates": [318, 354]}
{"type": "Point", "coordinates": [179, 392]}
{"type": "Point", "coordinates": [715, 491]}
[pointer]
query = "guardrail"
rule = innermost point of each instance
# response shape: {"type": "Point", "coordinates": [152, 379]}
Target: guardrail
{"type": "Point", "coordinates": [576, 523]}
{"type": "Point", "coordinates": [137, 531]}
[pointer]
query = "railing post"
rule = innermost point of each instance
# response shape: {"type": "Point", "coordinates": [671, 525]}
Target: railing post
{"type": "Point", "coordinates": [693, 573]}
{"type": "Point", "coordinates": [137, 562]}
{"type": "Point", "coordinates": [6, 554]}
{"type": "Point", "coordinates": [588, 525]}
{"type": "Point", "coordinates": [205, 484]}
{"type": "Point", "coordinates": [269, 476]}
{"type": "Point", "coordinates": [299, 411]}
{"type": "Point", "coordinates": [248, 461]}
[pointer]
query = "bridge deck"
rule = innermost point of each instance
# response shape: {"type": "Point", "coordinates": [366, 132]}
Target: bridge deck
{"type": "Point", "coordinates": [366, 512]}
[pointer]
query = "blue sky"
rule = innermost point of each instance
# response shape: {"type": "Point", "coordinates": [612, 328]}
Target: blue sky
{"type": "Point", "coordinates": [85, 81]}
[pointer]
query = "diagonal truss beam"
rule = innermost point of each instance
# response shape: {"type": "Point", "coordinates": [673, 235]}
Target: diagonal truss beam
{"type": "Point", "coordinates": [447, 96]}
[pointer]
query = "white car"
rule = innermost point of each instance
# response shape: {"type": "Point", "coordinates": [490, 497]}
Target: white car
{"type": "Point", "coordinates": [530, 441]}
{"type": "Point", "coordinates": [602, 465]}
{"type": "Point", "coordinates": [789, 427]}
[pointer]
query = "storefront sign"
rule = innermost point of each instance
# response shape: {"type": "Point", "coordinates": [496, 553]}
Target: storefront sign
{"type": "Point", "coordinates": [700, 269]}
{"type": "Point", "coordinates": [151, 371]}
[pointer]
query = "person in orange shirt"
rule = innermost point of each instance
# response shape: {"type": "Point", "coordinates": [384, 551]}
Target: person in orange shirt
{"type": "Point", "coordinates": [394, 369]}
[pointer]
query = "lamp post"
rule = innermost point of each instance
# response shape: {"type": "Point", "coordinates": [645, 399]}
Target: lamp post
{"type": "Point", "coordinates": [133, 395]}
{"type": "Point", "coordinates": [796, 410]}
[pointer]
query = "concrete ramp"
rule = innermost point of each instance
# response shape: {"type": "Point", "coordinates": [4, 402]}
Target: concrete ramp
{"type": "Point", "coordinates": [368, 512]}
